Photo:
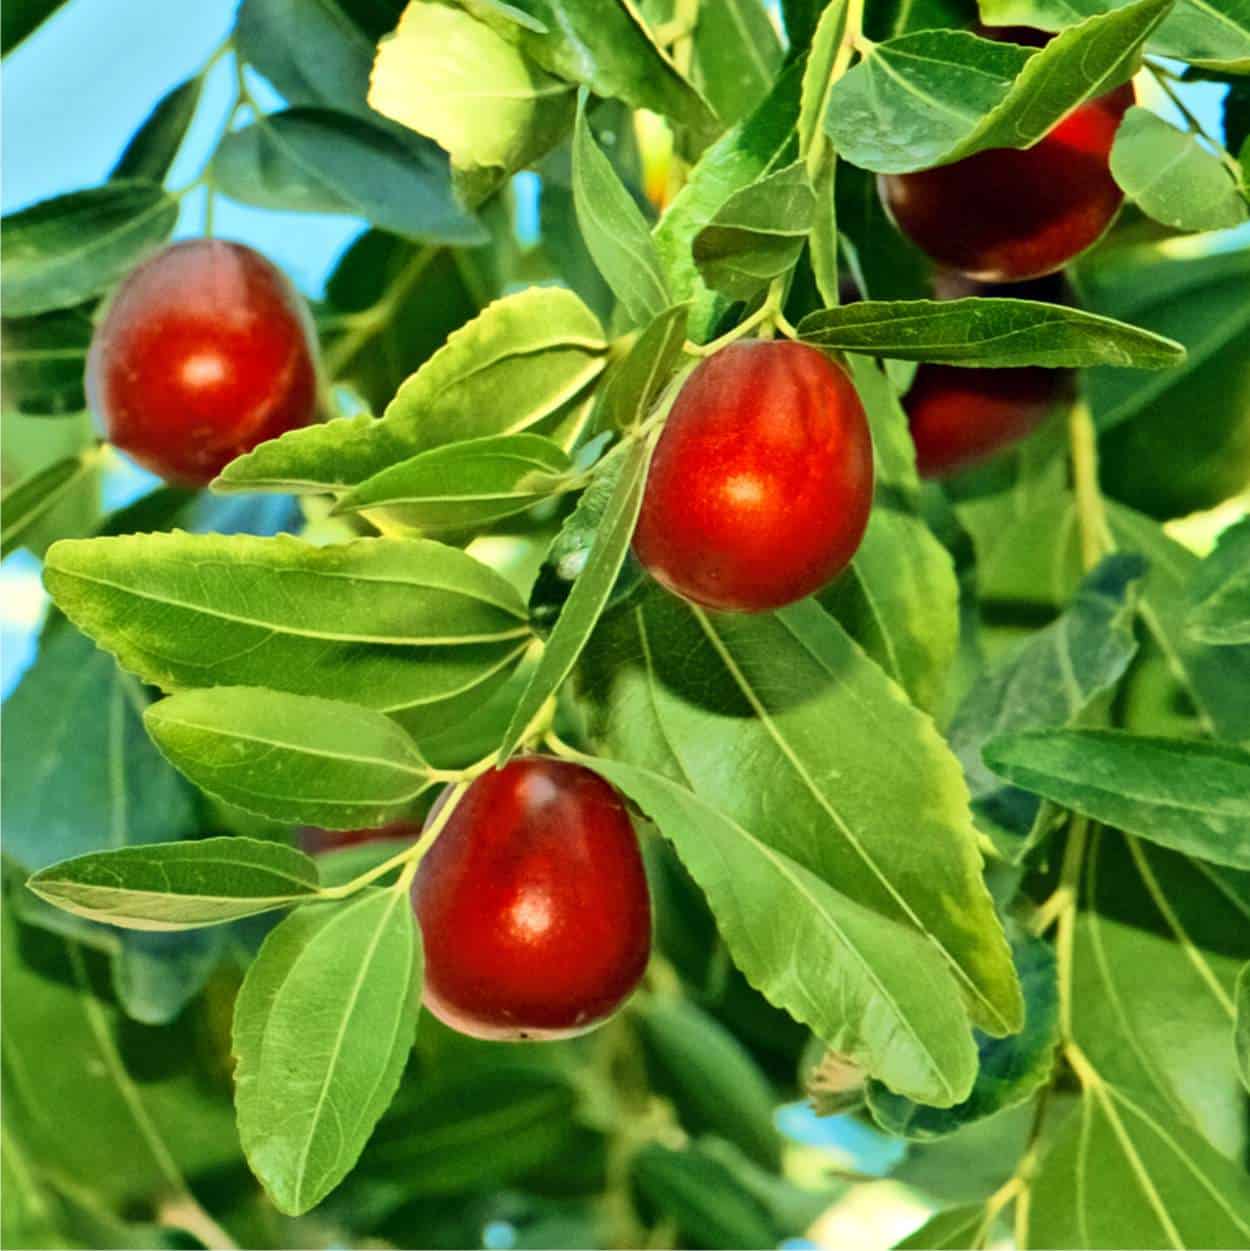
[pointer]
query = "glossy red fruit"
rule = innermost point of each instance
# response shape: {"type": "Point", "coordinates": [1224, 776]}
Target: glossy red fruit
{"type": "Point", "coordinates": [533, 905]}
{"type": "Point", "coordinates": [961, 416]}
{"type": "Point", "coordinates": [1009, 214]}
{"type": "Point", "coordinates": [761, 483]}
{"type": "Point", "coordinates": [204, 352]}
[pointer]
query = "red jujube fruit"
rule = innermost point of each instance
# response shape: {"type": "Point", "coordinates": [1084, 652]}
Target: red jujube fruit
{"type": "Point", "coordinates": [203, 352]}
{"type": "Point", "coordinates": [533, 904]}
{"type": "Point", "coordinates": [1008, 214]}
{"type": "Point", "coordinates": [761, 483]}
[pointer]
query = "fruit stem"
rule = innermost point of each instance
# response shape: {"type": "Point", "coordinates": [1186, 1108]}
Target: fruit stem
{"type": "Point", "coordinates": [1090, 510]}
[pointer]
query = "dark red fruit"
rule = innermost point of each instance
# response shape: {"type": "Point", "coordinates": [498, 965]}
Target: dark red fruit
{"type": "Point", "coordinates": [533, 905]}
{"type": "Point", "coordinates": [203, 353]}
{"type": "Point", "coordinates": [761, 484]}
{"type": "Point", "coordinates": [314, 841]}
{"type": "Point", "coordinates": [961, 416]}
{"type": "Point", "coordinates": [1009, 214]}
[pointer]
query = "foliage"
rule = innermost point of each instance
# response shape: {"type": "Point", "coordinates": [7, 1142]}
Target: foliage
{"type": "Point", "coordinates": [964, 840]}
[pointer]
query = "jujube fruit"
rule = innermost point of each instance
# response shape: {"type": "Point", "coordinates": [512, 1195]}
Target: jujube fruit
{"type": "Point", "coordinates": [1008, 213]}
{"type": "Point", "coordinates": [203, 352]}
{"type": "Point", "coordinates": [314, 840]}
{"type": "Point", "coordinates": [533, 904]}
{"type": "Point", "coordinates": [761, 483]}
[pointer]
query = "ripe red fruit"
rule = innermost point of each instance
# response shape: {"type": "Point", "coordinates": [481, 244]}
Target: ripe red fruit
{"type": "Point", "coordinates": [533, 905]}
{"type": "Point", "coordinates": [961, 416]}
{"type": "Point", "coordinates": [761, 483]}
{"type": "Point", "coordinates": [203, 353]}
{"type": "Point", "coordinates": [1008, 214]}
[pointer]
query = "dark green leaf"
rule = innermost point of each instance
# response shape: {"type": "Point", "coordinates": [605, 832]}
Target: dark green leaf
{"type": "Point", "coordinates": [21, 18]}
{"type": "Point", "coordinates": [988, 333]}
{"type": "Point", "coordinates": [1241, 1035]}
{"type": "Point", "coordinates": [615, 230]}
{"type": "Point", "coordinates": [310, 50]}
{"type": "Point", "coordinates": [153, 147]}
{"type": "Point", "coordinates": [80, 774]}
{"type": "Point", "coordinates": [760, 144]}
{"type": "Point", "coordinates": [699, 1195]}
{"type": "Point", "coordinates": [735, 57]}
{"type": "Point", "coordinates": [936, 96]}
{"type": "Point", "coordinates": [710, 1076]}
{"type": "Point", "coordinates": [292, 758]}
{"type": "Point", "coordinates": [1191, 796]}
{"type": "Point", "coordinates": [1172, 177]}
{"type": "Point", "coordinates": [320, 161]}
{"type": "Point", "coordinates": [884, 263]}
{"type": "Point", "coordinates": [757, 234]}
{"type": "Point", "coordinates": [589, 595]}
{"type": "Point", "coordinates": [1048, 681]}
{"type": "Point", "coordinates": [1010, 1070]}
{"type": "Point", "coordinates": [446, 75]}
{"type": "Point", "coordinates": [44, 359]}
{"type": "Point", "coordinates": [512, 369]}
{"type": "Point", "coordinates": [63, 251]}
{"type": "Point", "coordinates": [408, 626]}
{"type": "Point", "coordinates": [173, 886]}
{"type": "Point", "coordinates": [1215, 35]}
{"type": "Point", "coordinates": [322, 1030]}
{"type": "Point", "coordinates": [27, 501]}
{"type": "Point", "coordinates": [156, 975]}
{"type": "Point", "coordinates": [632, 388]}
{"type": "Point", "coordinates": [462, 486]}
{"type": "Point", "coordinates": [1221, 591]}
{"type": "Point", "coordinates": [1217, 678]}
{"type": "Point", "coordinates": [607, 48]}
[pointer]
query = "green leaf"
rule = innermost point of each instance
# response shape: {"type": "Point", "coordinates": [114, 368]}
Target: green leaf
{"type": "Point", "coordinates": [607, 48]}
{"type": "Point", "coordinates": [1217, 678]}
{"type": "Point", "coordinates": [883, 262]}
{"type": "Point", "coordinates": [1220, 591]}
{"type": "Point", "coordinates": [1241, 1034]}
{"type": "Point", "coordinates": [1201, 304]}
{"type": "Point", "coordinates": [1172, 177]}
{"type": "Point", "coordinates": [757, 234]}
{"type": "Point", "coordinates": [1216, 35]}
{"type": "Point", "coordinates": [141, 1098]}
{"type": "Point", "coordinates": [950, 1230]}
{"type": "Point", "coordinates": [292, 758]}
{"type": "Point", "coordinates": [709, 1075]}
{"type": "Point", "coordinates": [173, 886]}
{"type": "Point", "coordinates": [462, 486]}
{"type": "Point", "coordinates": [589, 595]}
{"type": "Point", "coordinates": [633, 387]}
{"type": "Point", "coordinates": [1157, 950]}
{"type": "Point", "coordinates": [1190, 796]}
{"type": "Point", "coordinates": [310, 50]}
{"type": "Point", "coordinates": [21, 18]}
{"type": "Point", "coordinates": [43, 360]}
{"type": "Point", "coordinates": [474, 92]}
{"type": "Point", "coordinates": [24, 503]}
{"type": "Point", "coordinates": [65, 250]}
{"type": "Point", "coordinates": [937, 96]}
{"type": "Point", "coordinates": [760, 144]}
{"type": "Point", "coordinates": [700, 1196]}
{"type": "Point", "coordinates": [153, 147]}
{"type": "Point", "coordinates": [615, 231]}
{"type": "Point", "coordinates": [1173, 1188]}
{"type": "Point", "coordinates": [408, 626]}
{"type": "Point", "coordinates": [1010, 1070]}
{"type": "Point", "coordinates": [322, 1029]}
{"type": "Point", "coordinates": [512, 369]}
{"type": "Point", "coordinates": [157, 974]}
{"type": "Point", "coordinates": [988, 333]}
{"type": "Point", "coordinates": [316, 160]}
{"type": "Point", "coordinates": [735, 56]}
{"type": "Point", "coordinates": [1047, 681]}
{"type": "Point", "coordinates": [82, 775]}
